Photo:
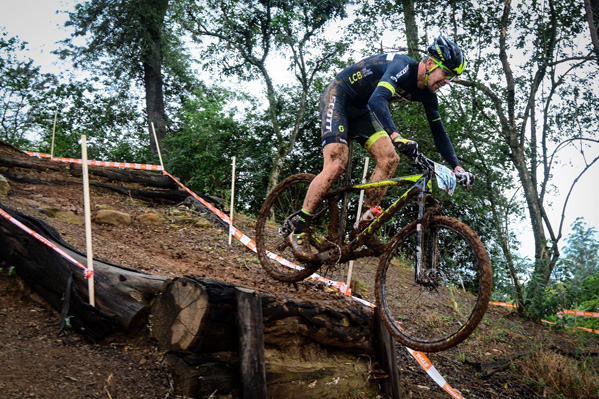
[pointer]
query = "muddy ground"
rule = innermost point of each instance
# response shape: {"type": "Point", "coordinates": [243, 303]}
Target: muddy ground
{"type": "Point", "coordinates": [38, 362]}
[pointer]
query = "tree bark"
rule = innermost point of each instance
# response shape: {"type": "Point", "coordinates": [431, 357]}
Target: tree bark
{"type": "Point", "coordinates": [592, 11]}
{"type": "Point", "coordinates": [152, 69]}
{"type": "Point", "coordinates": [196, 315]}
{"type": "Point", "coordinates": [304, 343]}
{"type": "Point", "coordinates": [411, 27]}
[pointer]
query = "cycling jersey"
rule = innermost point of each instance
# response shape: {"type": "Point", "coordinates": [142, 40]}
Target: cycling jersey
{"type": "Point", "coordinates": [356, 104]}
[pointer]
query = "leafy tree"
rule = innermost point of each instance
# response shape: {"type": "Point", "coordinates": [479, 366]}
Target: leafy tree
{"type": "Point", "coordinates": [110, 122]}
{"type": "Point", "coordinates": [528, 99]}
{"type": "Point", "coordinates": [592, 13]}
{"type": "Point", "coordinates": [241, 36]}
{"type": "Point", "coordinates": [129, 41]}
{"type": "Point", "coordinates": [201, 152]}
{"type": "Point", "coordinates": [22, 88]}
{"type": "Point", "coordinates": [580, 258]}
{"type": "Point", "coordinates": [528, 112]}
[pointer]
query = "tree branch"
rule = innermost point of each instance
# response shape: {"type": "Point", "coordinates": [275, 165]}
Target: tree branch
{"type": "Point", "coordinates": [592, 27]}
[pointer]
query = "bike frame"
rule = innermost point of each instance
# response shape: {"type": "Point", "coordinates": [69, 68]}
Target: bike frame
{"type": "Point", "coordinates": [420, 187]}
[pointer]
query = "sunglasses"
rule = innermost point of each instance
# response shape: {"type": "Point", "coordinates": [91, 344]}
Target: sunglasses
{"type": "Point", "coordinates": [447, 73]}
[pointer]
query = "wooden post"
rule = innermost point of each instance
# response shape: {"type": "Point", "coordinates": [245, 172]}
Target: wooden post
{"type": "Point", "coordinates": [351, 262]}
{"type": "Point", "coordinates": [88, 223]}
{"type": "Point", "coordinates": [53, 134]}
{"type": "Point", "coordinates": [157, 145]}
{"type": "Point", "coordinates": [232, 200]}
{"type": "Point", "coordinates": [251, 344]}
{"type": "Point", "coordinates": [388, 359]}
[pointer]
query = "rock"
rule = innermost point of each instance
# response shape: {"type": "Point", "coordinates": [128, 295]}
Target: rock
{"type": "Point", "coordinates": [4, 186]}
{"type": "Point", "coordinates": [113, 218]}
{"type": "Point", "coordinates": [64, 216]}
{"type": "Point", "coordinates": [150, 219]}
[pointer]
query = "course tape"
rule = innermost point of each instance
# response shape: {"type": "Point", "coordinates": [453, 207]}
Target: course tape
{"type": "Point", "coordinates": [128, 165]}
{"type": "Point", "coordinates": [565, 311]}
{"type": "Point", "coordinates": [420, 357]}
{"type": "Point", "coordinates": [88, 273]}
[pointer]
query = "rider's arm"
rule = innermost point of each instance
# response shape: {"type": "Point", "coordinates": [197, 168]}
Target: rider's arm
{"type": "Point", "coordinates": [378, 105]}
{"type": "Point", "coordinates": [442, 141]}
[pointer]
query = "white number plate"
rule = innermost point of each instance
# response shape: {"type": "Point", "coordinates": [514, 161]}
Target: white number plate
{"type": "Point", "coordinates": [445, 178]}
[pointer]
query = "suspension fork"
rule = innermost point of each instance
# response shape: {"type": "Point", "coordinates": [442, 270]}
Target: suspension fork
{"type": "Point", "coordinates": [425, 260]}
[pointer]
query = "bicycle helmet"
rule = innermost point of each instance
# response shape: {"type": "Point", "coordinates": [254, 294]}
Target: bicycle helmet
{"type": "Point", "coordinates": [448, 54]}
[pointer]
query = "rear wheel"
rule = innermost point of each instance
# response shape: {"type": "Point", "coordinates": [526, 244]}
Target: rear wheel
{"type": "Point", "coordinates": [276, 222]}
{"type": "Point", "coordinates": [440, 308]}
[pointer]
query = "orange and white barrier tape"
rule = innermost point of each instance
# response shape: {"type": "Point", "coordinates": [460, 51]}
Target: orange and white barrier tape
{"type": "Point", "coordinates": [503, 304]}
{"type": "Point", "coordinates": [564, 311]}
{"type": "Point", "coordinates": [576, 327]}
{"type": "Point", "coordinates": [420, 357]}
{"type": "Point", "coordinates": [87, 272]}
{"type": "Point", "coordinates": [426, 364]}
{"type": "Point", "coordinates": [579, 313]}
{"type": "Point", "coordinates": [38, 154]}
{"type": "Point", "coordinates": [127, 165]}
{"type": "Point", "coordinates": [251, 244]}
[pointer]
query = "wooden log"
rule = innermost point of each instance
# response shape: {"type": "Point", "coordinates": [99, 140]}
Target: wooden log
{"type": "Point", "coordinates": [146, 195]}
{"type": "Point", "coordinates": [31, 163]}
{"type": "Point", "coordinates": [192, 315]}
{"type": "Point", "coordinates": [123, 295]}
{"type": "Point", "coordinates": [146, 178]}
{"type": "Point", "coordinates": [251, 344]}
{"type": "Point", "coordinates": [200, 376]}
{"type": "Point", "coordinates": [313, 373]}
{"type": "Point", "coordinates": [286, 321]}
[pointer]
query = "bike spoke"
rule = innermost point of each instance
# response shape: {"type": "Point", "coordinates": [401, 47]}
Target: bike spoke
{"type": "Point", "coordinates": [276, 221]}
{"type": "Point", "coordinates": [447, 298]}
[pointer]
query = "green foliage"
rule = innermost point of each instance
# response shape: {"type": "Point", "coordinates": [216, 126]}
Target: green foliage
{"type": "Point", "coordinates": [201, 152]}
{"type": "Point", "coordinates": [120, 30]}
{"type": "Point", "coordinates": [22, 91]}
{"type": "Point", "coordinates": [580, 258]}
{"type": "Point", "coordinates": [111, 123]}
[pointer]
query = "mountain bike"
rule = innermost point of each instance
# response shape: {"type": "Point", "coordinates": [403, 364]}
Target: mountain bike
{"type": "Point", "coordinates": [434, 279]}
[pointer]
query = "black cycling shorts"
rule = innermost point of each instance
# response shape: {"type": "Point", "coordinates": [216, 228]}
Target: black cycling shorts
{"type": "Point", "coordinates": [341, 122]}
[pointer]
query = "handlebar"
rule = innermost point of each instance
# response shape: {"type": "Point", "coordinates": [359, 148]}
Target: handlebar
{"type": "Point", "coordinates": [427, 165]}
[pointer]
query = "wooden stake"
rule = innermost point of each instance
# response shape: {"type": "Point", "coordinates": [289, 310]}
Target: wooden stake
{"type": "Point", "coordinates": [351, 262]}
{"type": "Point", "coordinates": [157, 145]}
{"type": "Point", "coordinates": [88, 225]}
{"type": "Point", "coordinates": [53, 134]}
{"type": "Point", "coordinates": [232, 200]}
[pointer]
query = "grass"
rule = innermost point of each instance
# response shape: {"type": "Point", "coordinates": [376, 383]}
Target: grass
{"type": "Point", "coordinates": [559, 376]}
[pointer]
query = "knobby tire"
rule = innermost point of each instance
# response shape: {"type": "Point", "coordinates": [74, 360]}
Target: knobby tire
{"type": "Point", "coordinates": [439, 315]}
{"type": "Point", "coordinates": [285, 199]}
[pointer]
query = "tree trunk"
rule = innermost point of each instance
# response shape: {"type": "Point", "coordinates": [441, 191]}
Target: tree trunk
{"type": "Point", "coordinates": [326, 349]}
{"type": "Point", "coordinates": [152, 67]}
{"type": "Point", "coordinates": [592, 11]}
{"type": "Point", "coordinates": [411, 27]}
{"type": "Point", "coordinates": [197, 315]}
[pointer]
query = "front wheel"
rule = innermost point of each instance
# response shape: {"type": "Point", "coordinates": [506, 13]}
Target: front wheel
{"type": "Point", "coordinates": [276, 221]}
{"type": "Point", "coordinates": [442, 306]}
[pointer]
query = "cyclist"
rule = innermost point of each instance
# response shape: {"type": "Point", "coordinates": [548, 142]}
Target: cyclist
{"type": "Point", "coordinates": [356, 106]}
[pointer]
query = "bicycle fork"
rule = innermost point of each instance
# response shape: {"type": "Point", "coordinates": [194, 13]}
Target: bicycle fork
{"type": "Point", "coordinates": [425, 275]}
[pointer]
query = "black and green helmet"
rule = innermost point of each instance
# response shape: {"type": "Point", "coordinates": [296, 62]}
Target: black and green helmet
{"type": "Point", "coordinates": [448, 54]}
